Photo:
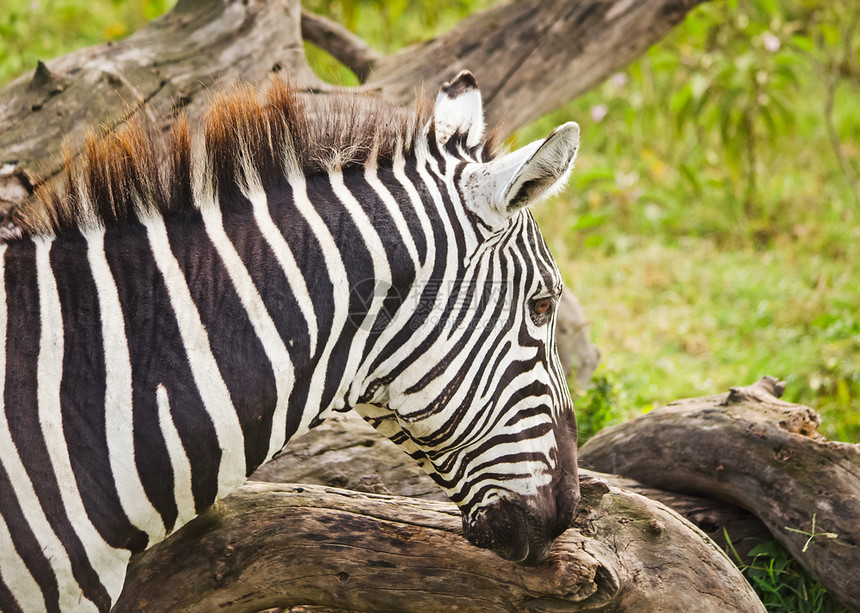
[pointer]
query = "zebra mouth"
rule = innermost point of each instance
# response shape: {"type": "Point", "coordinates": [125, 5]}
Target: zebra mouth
{"type": "Point", "coordinates": [511, 532]}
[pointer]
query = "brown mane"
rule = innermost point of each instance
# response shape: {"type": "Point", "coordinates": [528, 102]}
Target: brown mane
{"type": "Point", "coordinates": [135, 171]}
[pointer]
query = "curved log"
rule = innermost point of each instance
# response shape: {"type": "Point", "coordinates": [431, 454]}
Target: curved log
{"type": "Point", "coordinates": [346, 452]}
{"type": "Point", "coordinates": [749, 448]}
{"type": "Point", "coordinates": [272, 545]}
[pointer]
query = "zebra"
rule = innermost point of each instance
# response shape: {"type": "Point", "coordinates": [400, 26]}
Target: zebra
{"type": "Point", "coordinates": [187, 305]}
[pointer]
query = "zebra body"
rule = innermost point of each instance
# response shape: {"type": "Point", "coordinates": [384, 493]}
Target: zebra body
{"type": "Point", "coordinates": [150, 363]}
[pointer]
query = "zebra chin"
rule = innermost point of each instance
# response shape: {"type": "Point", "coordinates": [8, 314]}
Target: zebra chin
{"type": "Point", "coordinates": [522, 531]}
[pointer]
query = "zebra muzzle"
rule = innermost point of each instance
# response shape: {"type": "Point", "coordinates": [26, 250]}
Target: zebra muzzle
{"type": "Point", "coordinates": [511, 531]}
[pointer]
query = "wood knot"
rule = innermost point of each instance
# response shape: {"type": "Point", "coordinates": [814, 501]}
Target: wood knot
{"type": "Point", "coordinates": [656, 526]}
{"type": "Point", "coordinates": [593, 488]}
{"type": "Point", "coordinates": [342, 578]}
{"type": "Point", "coordinates": [758, 391]}
{"type": "Point", "coordinates": [42, 76]}
{"type": "Point", "coordinates": [45, 81]}
{"type": "Point", "coordinates": [803, 421]}
{"type": "Point", "coordinates": [371, 484]}
{"type": "Point", "coordinates": [783, 454]}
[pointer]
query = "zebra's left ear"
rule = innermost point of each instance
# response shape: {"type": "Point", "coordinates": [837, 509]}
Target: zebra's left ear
{"type": "Point", "coordinates": [498, 189]}
{"type": "Point", "coordinates": [459, 108]}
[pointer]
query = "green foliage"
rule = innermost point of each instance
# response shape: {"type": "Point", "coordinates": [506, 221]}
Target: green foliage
{"type": "Point", "coordinates": [594, 408]}
{"type": "Point", "coordinates": [781, 583]}
{"type": "Point", "coordinates": [31, 30]}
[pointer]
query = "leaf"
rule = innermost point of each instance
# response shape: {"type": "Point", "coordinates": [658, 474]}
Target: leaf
{"type": "Point", "coordinates": [585, 222]}
{"type": "Point", "coordinates": [803, 42]}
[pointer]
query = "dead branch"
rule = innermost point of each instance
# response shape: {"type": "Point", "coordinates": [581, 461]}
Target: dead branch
{"type": "Point", "coordinates": [343, 45]}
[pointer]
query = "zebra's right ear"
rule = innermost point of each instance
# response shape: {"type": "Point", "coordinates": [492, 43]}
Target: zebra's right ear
{"type": "Point", "coordinates": [459, 108]}
{"type": "Point", "coordinates": [498, 189]}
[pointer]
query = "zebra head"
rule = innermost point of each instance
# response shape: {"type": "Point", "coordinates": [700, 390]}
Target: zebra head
{"type": "Point", "coordinates": [478, 396]}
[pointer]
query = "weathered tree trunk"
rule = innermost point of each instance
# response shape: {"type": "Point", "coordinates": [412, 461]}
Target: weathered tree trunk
{"type": "Point", "coordinates": [273, 545]}
{"type": "Point", "coordinates": [751, 449]}
{"type": "Point", "coordinates": [529, 56]}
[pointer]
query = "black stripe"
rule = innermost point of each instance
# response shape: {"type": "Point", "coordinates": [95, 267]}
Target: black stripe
{"type": "Point", "coordinates": [240, 356]}
{"type": "Point", "coordinates": [8, 604]}
{"type": "Point", "coordinates": [82, 394]}
{"type": "Point", "coordinates": [27, 546]}
{"type": "Point", "coordinates": [428, 293]}
{"type": "Point", "coordinates": [157, 358]}
{"type": "Point", "coordinates": [22, 342]}
{"type": "Point", "coordinates": [269, 278]}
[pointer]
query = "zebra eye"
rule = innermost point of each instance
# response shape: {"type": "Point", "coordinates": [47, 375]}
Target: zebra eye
{"type": "Point", "coordinates": [540, 310]}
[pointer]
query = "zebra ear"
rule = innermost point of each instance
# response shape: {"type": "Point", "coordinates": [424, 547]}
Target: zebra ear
{"type": "Point", "coordinates": [496, 190]}
{"type": "Point", "coordinates": [459, 108]}
{"type": "Point", "coordinates": [545, 172]}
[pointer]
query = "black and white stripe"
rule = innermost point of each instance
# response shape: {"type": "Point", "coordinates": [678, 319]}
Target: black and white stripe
{"type": "Point", "coordinates": [148, 366]}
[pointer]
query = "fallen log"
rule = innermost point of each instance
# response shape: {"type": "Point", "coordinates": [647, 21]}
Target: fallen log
{"type": "Point", "coordinates": [346, 452]}
{"type": "Point", "coordinates": [275, 545]}
{"type": "Point", "coordinates": [751, 449]}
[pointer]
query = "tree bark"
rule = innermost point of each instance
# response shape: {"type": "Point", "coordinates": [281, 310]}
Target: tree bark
{"type": "Point", "coordinates": [751, 449]}
{"type": "Point", "coordinates": [533, 56]}
{"type": "Point", "coordinates": [273, 545]}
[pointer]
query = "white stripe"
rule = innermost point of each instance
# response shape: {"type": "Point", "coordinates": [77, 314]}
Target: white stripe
{"type": "Point", "coordinates": [108, 562]}
{"type": "Point", "coordinates": [337, 276]}
{"type": "Point", "coordinates": [415, 371]}
{"type": "Point", "coordinates": [273, 344]}
{"type": "Point", "coordinates": [119, 414]}
{"type": "Point", "coordinates": [182, 490]}
{"type": "Point", "coordinates": [204, 368]}
{"type": "Point", "coordinates": [285, 258]}
{"type": "Point", "coordinates": [17, 576]}
{"type": "Point", "coordinates": [381, 272]}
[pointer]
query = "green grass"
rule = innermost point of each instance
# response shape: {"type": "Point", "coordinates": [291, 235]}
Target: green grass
{"type": "Point", "coordinates": [781, 583]}
{"type": "Point", "coordinates": [709, 229]}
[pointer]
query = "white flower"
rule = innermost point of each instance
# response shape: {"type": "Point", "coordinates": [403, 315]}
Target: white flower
{"type": "Point", "coordinates": [599, 111]}
{"type": "Point", "coordinates": [619, 80]}
{"type": "Point", "coordinates": [771, 42]}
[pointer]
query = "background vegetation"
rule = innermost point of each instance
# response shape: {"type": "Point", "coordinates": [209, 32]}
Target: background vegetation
{"type": "Point", "coordinates": [711, 227]}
